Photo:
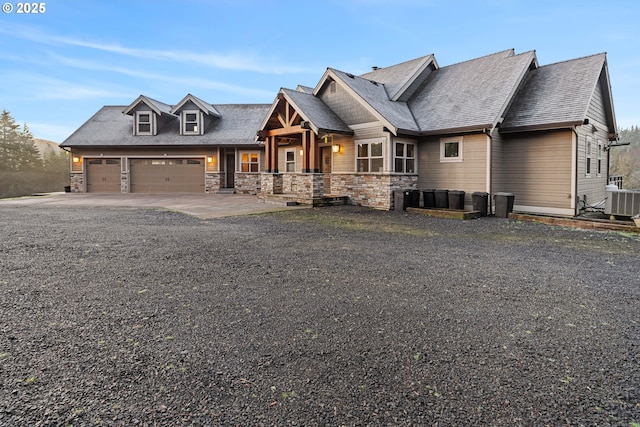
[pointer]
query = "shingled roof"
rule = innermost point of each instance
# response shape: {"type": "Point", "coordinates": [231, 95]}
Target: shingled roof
{"type": "Point", "coordinates": [402, 79]}
{"type": "Point", "coordinates": [558, 95]}
{"type": "Point", "coordinates": [236, 125]}
{"type": "Point", "coordinates": [320, 117]}
{"type": "Point", "coordinates": [417, 97]}
{"type": "Point", "coordinates": [469, 95]}
{"type": "Point", "coordinates": [395, 114]}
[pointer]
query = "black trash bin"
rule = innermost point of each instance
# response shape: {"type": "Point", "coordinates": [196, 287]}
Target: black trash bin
{"type": "Point", "coordinates": [402, 199]}
{"type": "Point", "coordinates": [504, 204]}
{"type": "Point", "coordinates": [67, 189]}
{"type": "Point", "coordinates": [456, 200]}
{"type": "Point", "coordinates": [428, 199]}
{"type": "Point", "coordinates": [480, 202]}
{"type": "Point", "coordinates": [442, 198]}
{"type": "Point", "coordinates": [415, 199]}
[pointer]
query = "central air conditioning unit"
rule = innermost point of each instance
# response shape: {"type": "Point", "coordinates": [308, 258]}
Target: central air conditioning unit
{"type": "Point", "coordinates": [622, 202]}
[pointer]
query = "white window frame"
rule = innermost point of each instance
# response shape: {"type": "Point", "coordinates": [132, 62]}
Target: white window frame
{"type": "Point", "coordinates": [404, 157]}
{"type": "Point", "coordinates": [369, 158]}
{"type": "Point", "coordinates": [450, 140]}
{"type": "Point", "coordinates": [250, 163]}
{"type": "Point", "coordinates": [151, 122]}
{"type": "Point", "coordinates": [587, 154]}
{"type": "Point", "coordinates": [288, 162]}
{"type": "Point", "coordinates": [197, 123]}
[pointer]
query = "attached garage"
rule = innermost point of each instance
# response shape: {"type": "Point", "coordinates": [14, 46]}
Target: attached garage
{"type": "Point", "coordinates": [167, 175]}
{"type": "Point", "coordinates": [103, 175]}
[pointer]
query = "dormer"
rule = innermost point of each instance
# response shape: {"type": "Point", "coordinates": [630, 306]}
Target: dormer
{"type": "Point", "coordinates": [148, 115]}
{"type": "Point", "coordinates": [195, 115]}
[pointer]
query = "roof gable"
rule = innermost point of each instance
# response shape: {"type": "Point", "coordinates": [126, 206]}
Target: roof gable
{"type": "Point", "coordinates": [559, 95]}
{"type": "Point", "coordinates": [307, 108]}
{"type": "Point", "coordinates": [401, 80]}
{"type": "Point", "coordinates": [203, 106]}
{"type": "Point", "coordinates": [395, 115]}
{"type": "Point", "coordinates": [157, 107]}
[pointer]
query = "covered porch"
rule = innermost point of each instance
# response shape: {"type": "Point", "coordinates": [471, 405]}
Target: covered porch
{"type": "Point", "coordinates": [298, 139]}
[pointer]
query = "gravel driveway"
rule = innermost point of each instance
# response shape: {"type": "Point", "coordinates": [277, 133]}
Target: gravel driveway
{"type": "Point", "coordinates": [338, 316]}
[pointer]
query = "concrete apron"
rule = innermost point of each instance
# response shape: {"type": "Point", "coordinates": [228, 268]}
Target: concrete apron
{"type": "Point", "coordinates": [202, 206]}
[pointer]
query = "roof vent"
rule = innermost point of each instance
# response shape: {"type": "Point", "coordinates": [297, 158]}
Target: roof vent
{"type": "Point", "coordinates": [375, 68]}
{"type": "Point", "coordinates": [350, 75]}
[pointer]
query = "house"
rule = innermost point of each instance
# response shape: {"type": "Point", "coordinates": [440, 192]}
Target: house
{"type": "Point", "coordinates": [498, 123]}
{"type": "Point", "coordinates": [153, 147]}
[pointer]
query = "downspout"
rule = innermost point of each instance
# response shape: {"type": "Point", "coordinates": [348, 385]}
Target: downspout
{"type": "Point", "coordinates": [575, 175]}
{"type": "Point", "coordinates": [489, 165]}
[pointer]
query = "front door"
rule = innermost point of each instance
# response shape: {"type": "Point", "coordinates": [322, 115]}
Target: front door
{"type": "Point", "coordinates": [325, 168]}
{"type": "Point", "coordinates": [230, 169]}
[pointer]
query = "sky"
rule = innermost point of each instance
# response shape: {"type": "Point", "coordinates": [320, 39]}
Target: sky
{"type": "Point", "coordinates": [61, 65]}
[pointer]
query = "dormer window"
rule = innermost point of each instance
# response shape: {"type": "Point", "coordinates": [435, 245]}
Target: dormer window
{"type": "Point", "coordinates": [144, 123]}
{"type": "Point", "coordinates": [191, 122]}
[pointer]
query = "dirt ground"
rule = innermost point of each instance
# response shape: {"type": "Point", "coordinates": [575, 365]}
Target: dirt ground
{"type": "Point", "coordinates": [340, 316]}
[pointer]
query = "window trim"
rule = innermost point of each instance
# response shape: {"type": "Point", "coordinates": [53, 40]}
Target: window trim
{"type": "Point", "coordinates": [151, 122]}
{"type": "Point", "coordinates": [249, 163]}
{"type": "Point", "coordinates": [370, 158]}
{"type": "Point", "coordinates": [288, 162]}
{"type": "Point", "coordinates": [599, 159]}
{"type": "Point", "coordinates": [449, 140]}
{"type": "Point", "coordinates": [184, 122]}
{"type": "Point", "coordinates": [588, 155]}
{"type": "Point", "coordinates": [404, 156]}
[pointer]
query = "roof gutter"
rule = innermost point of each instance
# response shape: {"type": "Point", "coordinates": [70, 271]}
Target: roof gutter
{"type": "Point", "coordinates": [466, 129]}
{"type": "Point", "coordinates": [549, 126]}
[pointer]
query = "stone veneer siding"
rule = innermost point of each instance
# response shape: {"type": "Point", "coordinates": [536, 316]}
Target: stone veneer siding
{"type": "Point", "coordinates": [372, 190]}
{"type": "Point", "coordinates": [271, 183]}
{"type": "Point", "coordinates": [211, 182]}
{"type": "Point", "coordinates": [247, 182]}
{"type": "Point", "coordinates": [77, 182]}
{"type": "Point", "coordinates": [306, 185]}
{"type": "Point", "coordinates": [124, 182]}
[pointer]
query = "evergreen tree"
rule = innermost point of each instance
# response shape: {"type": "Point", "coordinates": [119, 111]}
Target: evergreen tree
{"type": "Point", "coordinates": [28, 155]}
{"type": "Point", "coordinates": [9, 136]}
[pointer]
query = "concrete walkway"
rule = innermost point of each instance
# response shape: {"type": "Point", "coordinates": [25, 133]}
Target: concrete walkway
{"type": "Point", "coordinates": [202, 206]}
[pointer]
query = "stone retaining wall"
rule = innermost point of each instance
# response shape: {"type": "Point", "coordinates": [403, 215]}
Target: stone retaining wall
{"type": "Point", "coordinates": [372, 190]}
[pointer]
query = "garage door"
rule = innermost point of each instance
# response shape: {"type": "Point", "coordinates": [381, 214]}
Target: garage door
{"type": "Point", "coordinates": [167, 176]}
{"type": "Point", "coordinates": [103, 175]}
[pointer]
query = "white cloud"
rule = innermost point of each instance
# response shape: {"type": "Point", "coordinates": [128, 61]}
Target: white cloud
{"type": "Point", "coordinates": [194, 82]}
{"type": "Point", "coordinates": [236, 61]}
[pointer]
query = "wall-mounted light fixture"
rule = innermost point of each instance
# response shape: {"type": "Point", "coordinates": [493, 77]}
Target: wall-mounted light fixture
{"type": "Point", "coordinates": [337, 148]}
{"type": "Point", "coordinates": [76, 159]}
{"type": "Point", "coordinates": [301, 152]}
{"type": "Point", "coordinates": [209, 159]}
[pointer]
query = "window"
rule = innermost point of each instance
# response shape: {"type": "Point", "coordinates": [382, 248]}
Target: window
{"type": "Point", "coordinates": [405, 158]}
{"type": "Point", "coordinates": [144, 125]}
{"type": "Point", "coordinates": [451, 149]}
{"type": "Point", "coordinates": [588, 155]}
{"type": "Point", "coordinates": [369, 157]}
{"type": "Point", "coordinates": [290, 161]}
{"type": "Point", "coordinates": [249, 162]}
{"type": "Point", "coordinates": [599, 157]}
{"type": "Point", "coordinates": [190, 122]}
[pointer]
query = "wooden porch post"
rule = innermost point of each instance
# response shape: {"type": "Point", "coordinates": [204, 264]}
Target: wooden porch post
{"type": "Point", "coordinates": [314, 154]}
{"type": "Point", "coordinates": [267, 154]}
{"type": "Point", "coordinates": [274, 154]}
{"type": "Point", "coordinates": [305, 152]}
